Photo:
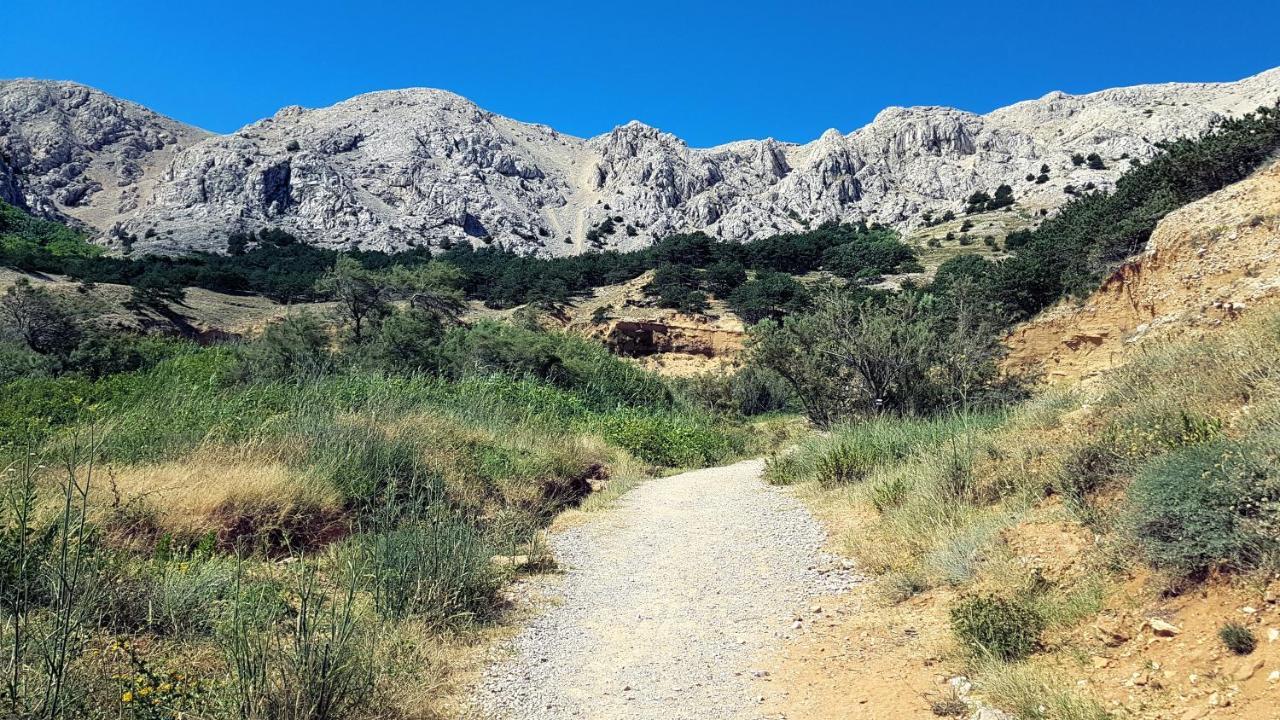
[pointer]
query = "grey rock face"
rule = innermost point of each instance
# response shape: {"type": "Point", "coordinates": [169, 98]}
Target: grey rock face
{"type": "Point", "coordinates": [391, 170]}
{"type": "Point", "coordinates": [70, 152]}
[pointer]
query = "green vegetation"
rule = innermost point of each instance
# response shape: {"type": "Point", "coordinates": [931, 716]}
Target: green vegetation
{"type": "Point", "coordinates": [854, 355]}
{"type": "Point", "coordinates": [273, 263]}
{"type": "Point", "coordinates": [982, 202]}
{"type": "Point", "coordinates": [26, 241]}
{"type": "Point", "coordinates": [1211, 505]}
{"type": "Point", "coordinates": [997, 628]}
{"type": "Point", "coordinates": [687, 267]}
{"type": "Point", "coordinates": [1070, 252]}
{"type": "Point", "coordinates": [1238, 638]}
{"type": "Point", "coordinates": [1163, 470]}
{"type": "Point", "coordinates": [293, 527]}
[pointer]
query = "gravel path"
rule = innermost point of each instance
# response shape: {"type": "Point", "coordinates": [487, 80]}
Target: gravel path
{"type": "Point", "coordinates": [664, 602]}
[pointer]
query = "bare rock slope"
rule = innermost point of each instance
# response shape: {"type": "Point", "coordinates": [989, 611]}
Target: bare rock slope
{"type": "Point", "coordinates": [393, 169]}
{"type": "Point", "coordinates": [69, 152]}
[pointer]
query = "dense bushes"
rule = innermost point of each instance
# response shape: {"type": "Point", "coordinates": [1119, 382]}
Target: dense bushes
{"type": "Point", "coordinates": [905, 353]}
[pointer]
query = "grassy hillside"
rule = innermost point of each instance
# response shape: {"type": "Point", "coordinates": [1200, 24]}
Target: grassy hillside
{"type": "Point", "coordinates": [1025, 529]}
{"type": "Point", "coordinates": [305, 526]}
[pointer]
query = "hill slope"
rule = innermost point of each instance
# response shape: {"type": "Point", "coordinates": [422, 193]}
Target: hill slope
{"type": "Point", "coordinates": [1206, 264]}
{"type": "Point", "coordinates": [393, 169]}
{"type": "Point", "coordinates": [69, 152]}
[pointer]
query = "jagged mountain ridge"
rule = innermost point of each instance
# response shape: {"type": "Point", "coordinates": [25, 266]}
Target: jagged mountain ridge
{"type": "Point", "coordinates": [394, 169]}
{"type": "Point", "coordinates": [72, 153]}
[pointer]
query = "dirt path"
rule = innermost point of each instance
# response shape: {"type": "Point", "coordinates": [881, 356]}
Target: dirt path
{"type": "Point", "coordinates": [665, 603]}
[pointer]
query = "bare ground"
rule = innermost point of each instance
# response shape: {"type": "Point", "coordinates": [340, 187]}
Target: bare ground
{"type": "Point", "coordinates": [667, 604]}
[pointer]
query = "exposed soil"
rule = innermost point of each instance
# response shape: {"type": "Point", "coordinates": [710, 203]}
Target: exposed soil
{"type": "Point", "coordinates": [1207, 264]}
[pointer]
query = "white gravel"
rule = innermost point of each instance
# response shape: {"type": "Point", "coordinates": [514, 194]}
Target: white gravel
{"type": "Point", "coordinates": [664, 602]}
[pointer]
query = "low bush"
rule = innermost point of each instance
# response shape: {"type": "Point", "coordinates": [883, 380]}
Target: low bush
{"type": "Point", "coordinates": [1033, 693]}
{"type": "Point", "coordinates": [670, 439]}
{"type": "Point", "coordinates": [997, 628]}
{"type": "Point", "coordinates": [1209, 506]}
{"type": "Point", "coordinates": [294, 348]}
{"type": "Point", "coordinates": [750, 391]}
{"type": "Point", "coordinates": [846, 459]}
{"type": "Point", "coordinates": [438, 567]}
{"type": "Point", "coordinates": [1238, 638]}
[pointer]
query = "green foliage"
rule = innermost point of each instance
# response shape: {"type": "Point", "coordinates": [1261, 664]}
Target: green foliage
{"type": "Point", "coordinates": [34, 244]}
{"type": "Point", "coordinates": [673, 440]}
{"type": "Point", "coordinates": [770, 295]}
{"type": "Point", "coordinates": [725, 276]}
{"type": "Point", "coordinates": [437, 567]}
{"type": "Point", "coordinates": [318, 666]}
{"type": "Point", "coordinates": [751, 390]}
{"type": "Point", "coordinates": [994, 627]}
{"type": "Point", "coordinates": [906, 353]}
{"type": "Point", "coordinates": [1212, 505]}
{"type": "Point", "coordinates": [295, 348]}
{"type": "Point", "coordinates": [1238, 638]}
{"type": "Point", "coordinates": [869, 255]}
{"type": "Point", "coordinates": [410, 340]}
{"type": "Point", "coordinates": [1071, 251]}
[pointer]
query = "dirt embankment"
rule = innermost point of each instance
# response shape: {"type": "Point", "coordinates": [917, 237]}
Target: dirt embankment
{"type": "Point", "coordinates": [1206, 264]}
{"type": "Point", "coordinates": [628, 322]}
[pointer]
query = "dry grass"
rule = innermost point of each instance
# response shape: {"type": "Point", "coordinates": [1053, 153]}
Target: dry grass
{"type": "Point", "coordinates": [1032, 692]}
{"type": "Point", "coordinates": [202, 492]}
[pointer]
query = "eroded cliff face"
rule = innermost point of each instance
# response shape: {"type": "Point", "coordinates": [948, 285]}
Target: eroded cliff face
{"type": "Point", "coordinates": [1206, 264]}
{"type": "Point", "coordinates": [390, 170]}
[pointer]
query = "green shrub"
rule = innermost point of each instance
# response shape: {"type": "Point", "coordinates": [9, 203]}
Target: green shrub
{"type": "Point", "coordinates": [1087, 467]}
{"type": "Point", "coordinates": [752, 390]}
{"type": "Point", "coordinates": [438, 567]}
{"type": "Point", "coordinates": [294, 348]}
{"type": "Point", "coordinates": [383, 477]}
{"type": "Point", "coordinates": [889, 491]}
{"type": "Point", "coordinates": [990, 626]}
{"type": "Point", "coordinates": [783, 469]}
{"type": "Point", "coordinates": [317, 666]}
{"type": "Point", "coordinates": [1207, 506]}
{"type": "Point", "coordinates": [846, 459]}
{"type": "Point", "coordinates": [1238, 638]}
{"type": "Point", "coordinates": [671, 440]}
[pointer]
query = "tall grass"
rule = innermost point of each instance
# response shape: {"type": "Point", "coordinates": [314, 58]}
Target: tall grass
{"type": "Point", "coordinates": [43, 562]}
{"type": "Point", "coordinates": [366, 512]}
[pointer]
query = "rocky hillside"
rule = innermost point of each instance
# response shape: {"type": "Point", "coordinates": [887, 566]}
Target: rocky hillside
{"type": "Point", "coordinates": [389, 170]}
{"type": "Point", "coordinates": [1206, 264]}
{"type": "Point", "coordinates": [72, 153]}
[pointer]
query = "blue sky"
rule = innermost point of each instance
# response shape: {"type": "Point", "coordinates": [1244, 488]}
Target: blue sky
{"type": "Point", "coordinates": [710, 72]}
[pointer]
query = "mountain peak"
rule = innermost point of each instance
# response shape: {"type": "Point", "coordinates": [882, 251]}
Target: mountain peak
{"type": "Point", "coordinates": [397, 168]}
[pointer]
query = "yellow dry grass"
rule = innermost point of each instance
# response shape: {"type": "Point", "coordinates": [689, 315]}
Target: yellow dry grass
{"type": "Point", "coordinates": [185, 495]}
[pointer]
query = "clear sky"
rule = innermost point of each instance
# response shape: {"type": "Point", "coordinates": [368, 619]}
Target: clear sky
{"type": "Point", "coordinates": [709, 72]}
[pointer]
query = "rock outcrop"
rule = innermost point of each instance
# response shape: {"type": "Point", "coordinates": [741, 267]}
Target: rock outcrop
{"type": "Point", "coordinates": [72, 153]}
{"type": "Point", "coordinates": [395, 169]}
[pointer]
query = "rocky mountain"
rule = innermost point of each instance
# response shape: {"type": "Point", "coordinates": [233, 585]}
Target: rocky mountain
{"type": "Point", "coordinates": [390, 170]}
{"type": "Point", "coordinates": [72, 153]}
